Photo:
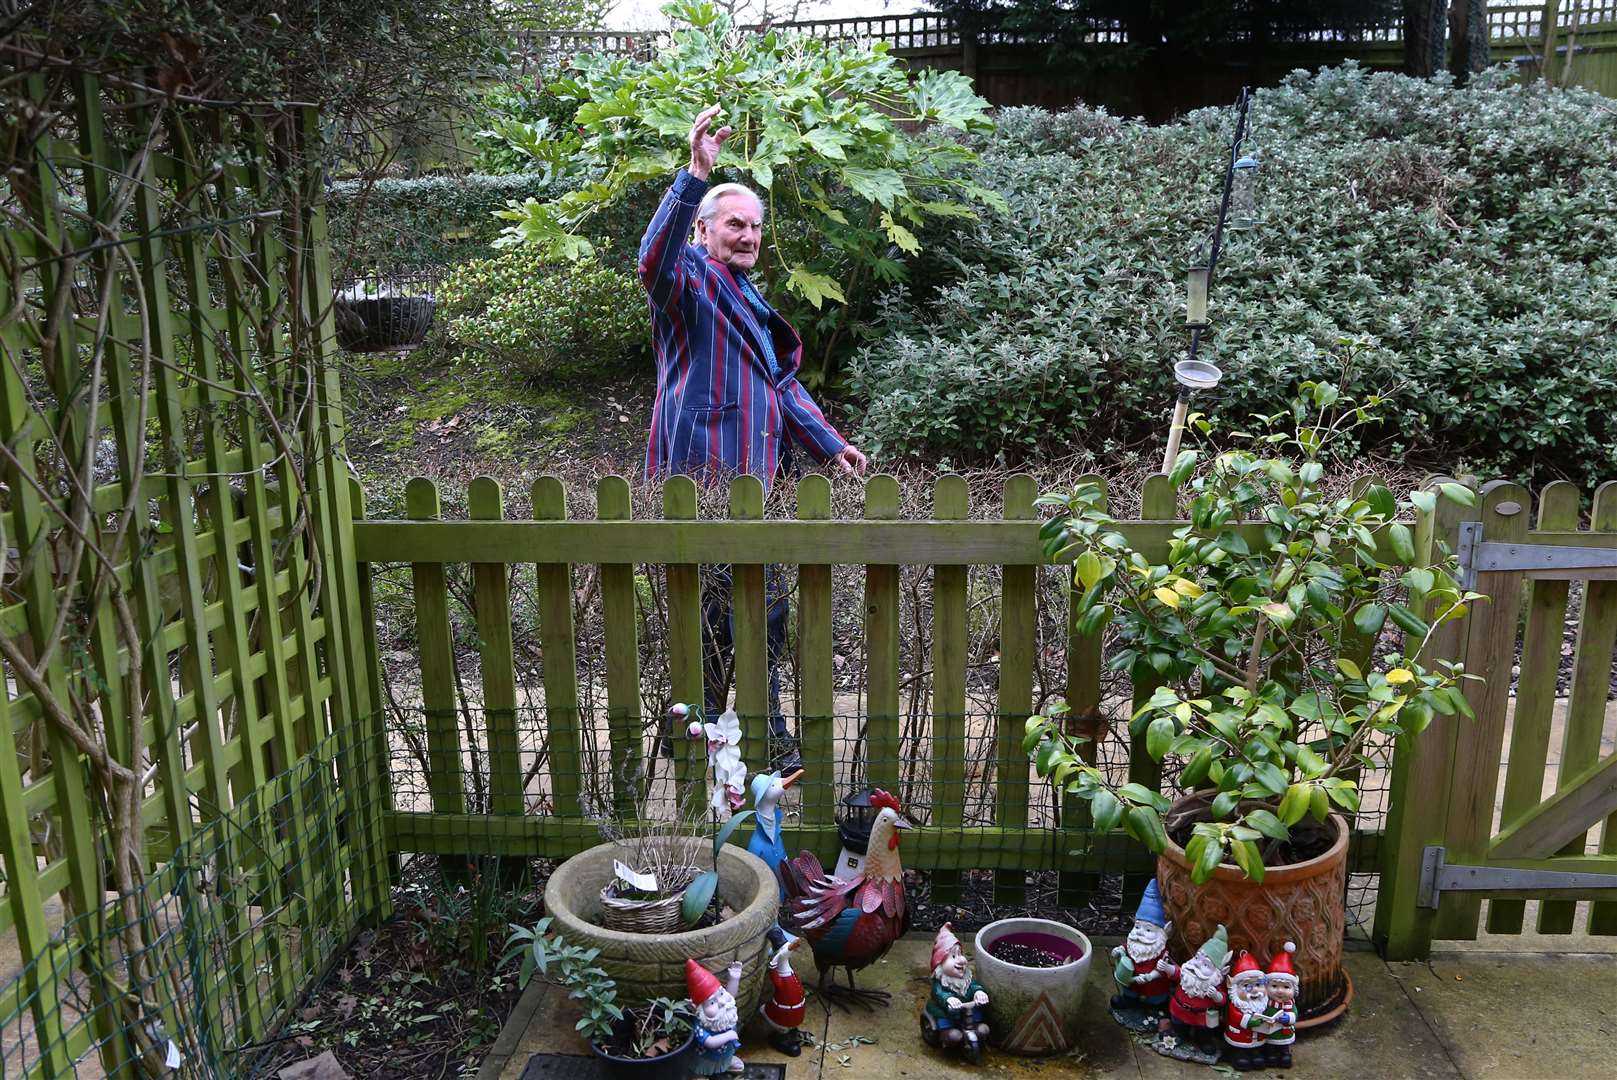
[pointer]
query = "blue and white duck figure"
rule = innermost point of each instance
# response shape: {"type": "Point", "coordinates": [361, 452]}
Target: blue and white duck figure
{"type": "Point", "coordinates": [766, 842]}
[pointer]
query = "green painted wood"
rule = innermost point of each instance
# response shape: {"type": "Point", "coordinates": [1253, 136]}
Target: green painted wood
{"type": "Point", "coordinates": [882, 619]}
{"type": "Point", "coordinates": [950, 502]}
{"type": "Point", "coordinates": [1158, 502]}
{"type": "Point", "coordinates": [816, 670]}
{"type": "Point", "coordinates": [1085, 721]}
{"type": "Point", "coordinates": [1422, 769]}
{"type": "Point", "coordinates": [357, 715]}
{"type": "Point", "coordinates": [1563, 819]}
{"type": "Point", "coordinates": [747, 605]}
{"type": "Point", "coordinates": [491, 586]}
{"type": "Point", "coordinates": [381, 752]}
{"type": "Point", "coordinates": [445, 780]}
{"type": "Point", "coordinates": [684, 641]}
{"type": "Point", "coordinates": [1018, 646]}
{"type": "Point", "coordinates": [1535, 693]}
{"type": "Point", "coordinates": [828, 543]}
{"type": "Point", "coordinates": [1586, 703]}
{"type": "Point", "coordinates": [1490, 649]}
{"type": "Point", "coordinates": [560, 656]}
{"type": "Point", "coordinates": [620, 612]}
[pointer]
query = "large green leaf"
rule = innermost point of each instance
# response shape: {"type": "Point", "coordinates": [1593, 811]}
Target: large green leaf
{"type": "Point", "coordinates": [878, 185]}
{"type": "Point", "coordinates": [814, 287]}
{"type": "Point", "coordinates": [698, 896]}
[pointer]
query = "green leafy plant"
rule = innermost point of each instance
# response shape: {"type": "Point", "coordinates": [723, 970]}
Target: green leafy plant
{"type": "Point", "coordinates": [1457, 233]}
{"type": "Point", "coordinates": [817, 130]}
{"type": "Point", "coordinates": [541, 317]}
{"type": "Point", "coordinates": [1262, 622]}
{"type": "Point", "coordinates": [658, 1026]}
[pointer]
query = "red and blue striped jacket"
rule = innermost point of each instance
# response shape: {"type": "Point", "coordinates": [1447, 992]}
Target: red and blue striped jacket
{"type": "Point", "coordinates": [720, 409]}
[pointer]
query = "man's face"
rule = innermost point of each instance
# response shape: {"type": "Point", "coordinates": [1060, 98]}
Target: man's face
{"type": "Point", "coordinates": [735, 232]}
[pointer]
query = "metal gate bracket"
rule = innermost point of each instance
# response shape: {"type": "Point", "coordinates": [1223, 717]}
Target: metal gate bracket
{"type": "Point", "coordinates": [1438, 877]}
{"type": "Point", "coordinates": [1477, 555]}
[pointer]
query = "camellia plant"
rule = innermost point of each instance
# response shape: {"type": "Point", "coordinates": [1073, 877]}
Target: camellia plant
{"type": "Point", "coordinates": [816, 132]}
{"type": "Point", "coordinates": [1263, 627]}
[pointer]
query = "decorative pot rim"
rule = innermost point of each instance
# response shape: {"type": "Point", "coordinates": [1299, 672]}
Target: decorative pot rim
{"type": "Point", "coordinates": [982, 941]}
{"type": "Point", "coordinates": [692, 940]}
{"type": "Point", "coordinates": [690, 1037]}
{"type": "Point", "coordinates": [1271, 874]}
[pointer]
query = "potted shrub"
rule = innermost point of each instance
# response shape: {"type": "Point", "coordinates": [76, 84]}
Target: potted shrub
{"type": "Point", "coordinates": [1276, 685]}
{"type": "Point", "coordinates": [649, 1041]}
{"type": "Point", "coordinates": [1034, 971]}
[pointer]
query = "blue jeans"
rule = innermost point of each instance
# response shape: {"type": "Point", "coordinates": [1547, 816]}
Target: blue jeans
{"type": "Point", "coordinates": [718, 639]}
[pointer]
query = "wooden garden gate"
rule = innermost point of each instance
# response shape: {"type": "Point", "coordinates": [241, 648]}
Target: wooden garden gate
{"type": "Point", "coordinates": [1455, 837]}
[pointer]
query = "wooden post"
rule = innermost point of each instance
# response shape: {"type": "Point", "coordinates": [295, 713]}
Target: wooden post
{"type": "Point", "coordinates": [562, 721]}
{"type": "Point", "coordinates": [817, 718]}
{"type": "Point", "coordinates": [950, 502]}
{"type": "Point", "coordinates": [1084, 720]}
{"type": "Point", "coordinates": [1018, 648]}
{"type": "Point", "coordinates": [491, 583]}
{"type": "Point", "coordinates": [621, 615]}
{"type": "Point", "coordinates": [881, 648]}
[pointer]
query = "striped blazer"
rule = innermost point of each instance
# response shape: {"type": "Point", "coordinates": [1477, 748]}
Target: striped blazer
{"type": "Point", "coordinates": [720, 410]}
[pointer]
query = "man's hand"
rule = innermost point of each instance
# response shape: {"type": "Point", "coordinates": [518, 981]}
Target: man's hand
{"type": "Point", "coordinates": [705, 146]}
{"type": "Point", "coordinates": [850, 460]}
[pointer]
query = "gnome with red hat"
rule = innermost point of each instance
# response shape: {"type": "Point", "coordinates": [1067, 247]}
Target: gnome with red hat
{"type": "Point", "coordinates": [783, 1012]}
{"type": "Point", "coordinates": [955, 1009]}
{"type": "Point", "coordinates": [1246, 1015]}
{"type": "Point", "coordinates": [716, 1039]}
{"type": "Point", "coordinates": [1280, 1031]}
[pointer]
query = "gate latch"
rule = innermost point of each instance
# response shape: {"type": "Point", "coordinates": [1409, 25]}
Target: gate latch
{"type": "Point", "coordinates": [1438, 877]}
{"type": "Point", "coordinates": [1477, 555]}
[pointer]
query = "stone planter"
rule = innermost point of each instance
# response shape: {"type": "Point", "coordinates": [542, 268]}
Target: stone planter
{"type": "Point", "coordinates": [1034, 1011]}
{"type": "Point", "coordinates": [653, 965]}
{"type": "Point", "coordinates": [1302, 902]}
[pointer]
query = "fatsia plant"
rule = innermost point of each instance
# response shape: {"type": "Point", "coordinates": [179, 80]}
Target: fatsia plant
{"type": "Point", "coordinates": [817, 132]}
{"type": "Point", "coordinates": [1262, 621]}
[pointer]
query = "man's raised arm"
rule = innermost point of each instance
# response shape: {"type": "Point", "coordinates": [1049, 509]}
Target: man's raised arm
{"type": "Point", "coordinates": [661, 269]}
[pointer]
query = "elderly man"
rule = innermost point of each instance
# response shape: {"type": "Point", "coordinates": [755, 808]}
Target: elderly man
{"type": "Point", "coordinates": [727, 389]}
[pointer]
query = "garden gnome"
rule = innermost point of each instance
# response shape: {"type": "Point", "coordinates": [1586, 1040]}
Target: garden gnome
{"type": "Point", "coordinates": [1195, 1008]}
{"type": "Point", "coordinates": [716, 1038]}
{"type": "Point", "coordinates": [783, 1012]}
{"type": "Point", "coordinates": [1281, 1029]}
{"type": "Point", "coordinates": [766, 842]}
{"type": "Point", "coordinates": [1140, 985]}
{"type": "Point", "coordinates": [1247, 1014]}
{"type": "Point", "coordinates": [958, 999]}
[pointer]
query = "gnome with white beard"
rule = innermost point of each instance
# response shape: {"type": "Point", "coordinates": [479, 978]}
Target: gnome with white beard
{"type": "Point", "coordinates": [1141, 987]}
{"type": "Point", "coordinates": [716, 1040]}
{"type": "Point", "coordinates": [1281, 1030]}
{"type": "Point", "coordinates": [1196, 1006]}
{"type": "Point", "coordinates": [1247, 1014]}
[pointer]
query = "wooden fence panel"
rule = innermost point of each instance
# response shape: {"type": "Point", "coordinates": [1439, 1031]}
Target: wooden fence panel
{"type": "Point", "coordinates": [882, 620]}
{"type": "Point", "coordinates": [817, 716]}
{"type": "Point", "coordinates": [949, 503]}
{"type": "Point", "coordinates": [1018, 646]}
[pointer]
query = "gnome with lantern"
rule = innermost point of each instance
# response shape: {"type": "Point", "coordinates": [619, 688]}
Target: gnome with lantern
{"type": "Point", "coordinates": [717, 1042]}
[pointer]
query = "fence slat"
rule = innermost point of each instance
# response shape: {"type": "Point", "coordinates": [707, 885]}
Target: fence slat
{"type": "Point", "coordinates": [446, 781]}
{"type": "Point", "coordinates": [684, 643]}
{"type": "Point", "coordinates": [1018, 646]}
{"type": "Point", "coordinates": [561, 655]}
{"type": "Point", "coordinates": [491, 583]}
{"type": "Point", "coordinates": [750, 620]}
{"type": "Point", "coordinates": [1084, 719]}
{"type": "Point", "coordinates": [621, 616]}
{"type": "Point", "coordinates": [1159, 502]}
{"type": "Point", "coordinates": [1422, 769]}
{"type": "Point", "coordinates": [950, 502]}
{"type": "Point", "coordinates": [881, 648]}
{"type": "Point", "coordinates": [1535, 692]}
{"type": "Point", "coordinates": [1490, 650]}
{"type": "Point", "coordinates": [816, 720]}
{"type": "Point", "coordinates": [1586, 703]}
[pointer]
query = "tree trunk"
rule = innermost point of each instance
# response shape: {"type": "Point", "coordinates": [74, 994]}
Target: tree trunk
{"type": "Point", "coordinates": [1547, 28]}
{"type": "Point", "coordinates": [1468, 31]}
{"type": "Point", "coordinates": [1424, 25]}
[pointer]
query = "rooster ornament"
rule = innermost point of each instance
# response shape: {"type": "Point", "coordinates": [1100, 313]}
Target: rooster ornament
{"type": "Point", "coordinates": [851, 924]}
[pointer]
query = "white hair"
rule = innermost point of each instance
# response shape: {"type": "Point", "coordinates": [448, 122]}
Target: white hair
{"type": "Point", "coordinates": [709, 205]}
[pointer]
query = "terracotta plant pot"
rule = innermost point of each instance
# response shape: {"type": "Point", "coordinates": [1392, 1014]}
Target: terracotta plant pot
{"type": "Point", "coordinates": [653, 965]}
{"type": "Point", "coordinates": [1302, 902]}
{"type": "Point", "coordinates": [1034, 1011]}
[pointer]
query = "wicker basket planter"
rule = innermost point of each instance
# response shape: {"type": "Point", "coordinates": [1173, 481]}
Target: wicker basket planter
{"type": "Point", "coordinates": [647, 916]}
{"type": "Point", "coordinates": [383, 323]}
{"type": "Point", "coordinates": [653, 965]}
{"type": "Point", "coordinates": [1300, 902]}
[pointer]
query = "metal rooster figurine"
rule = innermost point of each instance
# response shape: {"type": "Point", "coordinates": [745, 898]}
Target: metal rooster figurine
{"type": "Point", "coordinates": [851, 924]}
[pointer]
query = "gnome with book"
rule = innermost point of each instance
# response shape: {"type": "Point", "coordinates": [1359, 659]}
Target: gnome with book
{"type": "Point", "coordinates": [1280, 1029]}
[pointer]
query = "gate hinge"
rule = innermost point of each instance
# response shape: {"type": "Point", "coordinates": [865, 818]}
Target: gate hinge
{"type": "Point", "coordinates": [1438, 877]}
{"type": "Point", "coordinates": [1477, 555]}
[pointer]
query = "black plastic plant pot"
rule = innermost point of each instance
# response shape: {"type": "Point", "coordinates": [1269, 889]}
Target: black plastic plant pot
{"type": "Point", "coordinates": [670, 1066]}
